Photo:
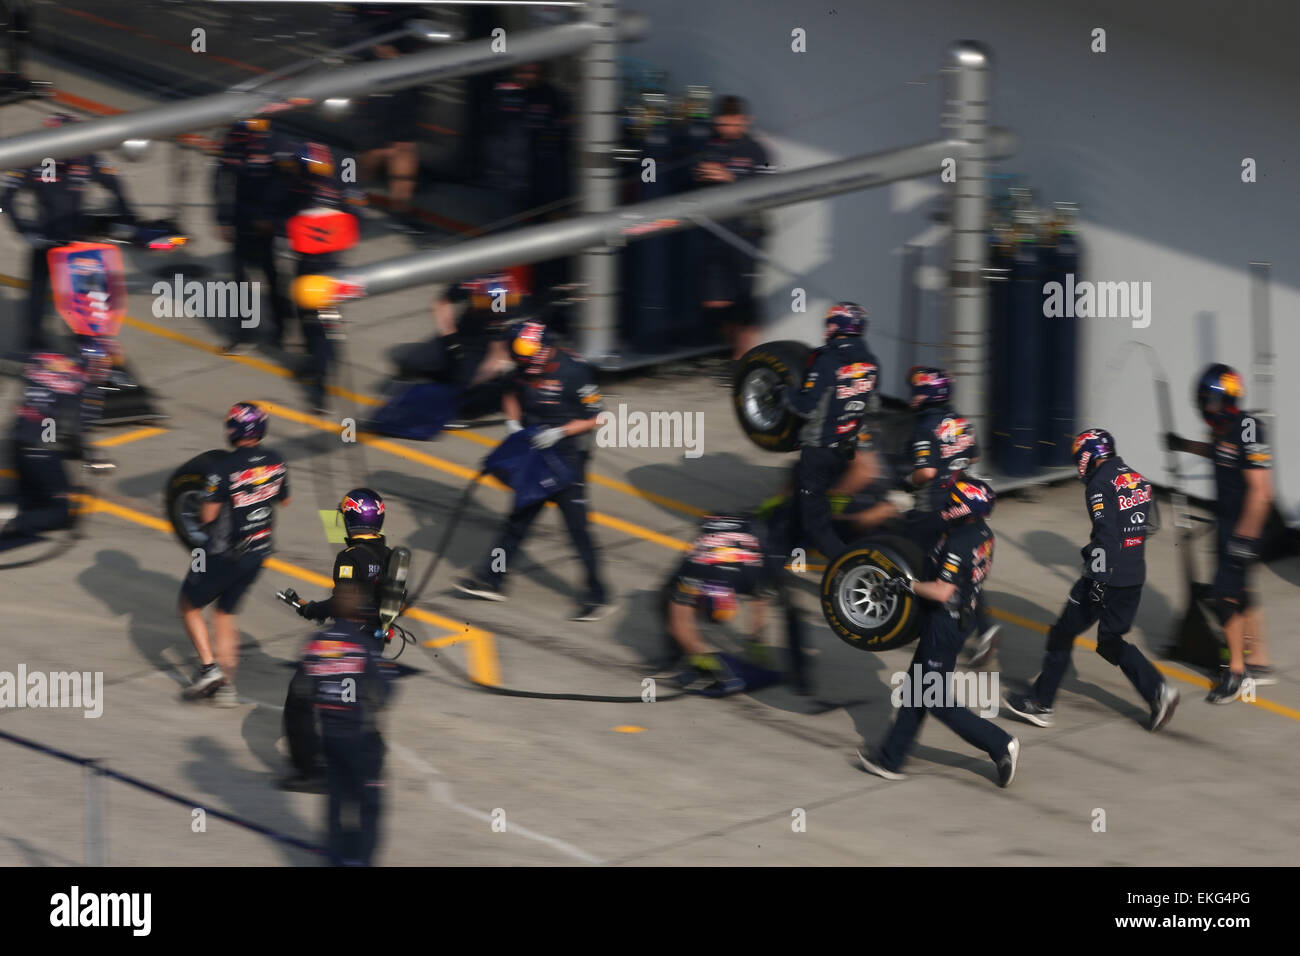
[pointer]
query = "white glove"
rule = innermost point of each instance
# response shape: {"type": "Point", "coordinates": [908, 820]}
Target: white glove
{"type": "Point", "coordinates": [513, 426]}
{"type": "Point", "coordinates": [904, 501]}
{"type": "Point", "coordinates": [548, 437]}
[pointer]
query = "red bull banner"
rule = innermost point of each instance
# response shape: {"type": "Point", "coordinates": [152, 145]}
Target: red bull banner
{"type": "Point", "coordinates": [89, 291]}
{"type": "Point", "coordinates": [317, 231]}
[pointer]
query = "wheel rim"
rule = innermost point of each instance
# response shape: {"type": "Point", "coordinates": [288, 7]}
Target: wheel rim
{"type": "Point", "coordinates": [188, 506]}
{"type": "Point", "coordinates": [861, 600]}
{"type": "Point", "coordinates": [756, 397]}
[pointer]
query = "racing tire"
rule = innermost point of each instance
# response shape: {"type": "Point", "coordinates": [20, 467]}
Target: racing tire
{"type": "Point", "coordinates": [768, 425]}
{"type": "Point", "coordinates": [181, 498]}
{"type": "Point", "coordinates": [858, 615]}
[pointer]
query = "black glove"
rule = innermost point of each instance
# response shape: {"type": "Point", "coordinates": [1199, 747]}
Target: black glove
{"type": "Point", "coordinates": [896, 586]}
{"type": "Point", "coordinates": [314, 610]}
{"type": "Point", "coordinates": [1174, 442]}
{"type": "Point", "coordinates": [1097, 593]}
{"type": "Point", "coordinates": [1243, 551]}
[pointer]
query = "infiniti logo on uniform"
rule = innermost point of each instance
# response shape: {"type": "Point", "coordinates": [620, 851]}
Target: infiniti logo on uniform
{"type": "Point", "coordinates": [1137, 517]}
{"type": "Point", "coordinates": [259, 514]}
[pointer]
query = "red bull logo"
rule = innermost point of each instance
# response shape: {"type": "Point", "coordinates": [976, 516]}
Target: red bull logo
{"type": "Point", "coordinates": [973, 492]}
{"type": "Point", "coordinates": [857, 370]}
{"type": "Point", "coordinates": [1128, 479]}
{"type": "Point", "coordinates": [351, 504]}
{"type": "Point", "coordinates": [1230, 383]}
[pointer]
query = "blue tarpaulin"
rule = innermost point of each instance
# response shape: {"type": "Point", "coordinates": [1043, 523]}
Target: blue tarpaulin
{"type": "Point", "coordinates": [534, 473]}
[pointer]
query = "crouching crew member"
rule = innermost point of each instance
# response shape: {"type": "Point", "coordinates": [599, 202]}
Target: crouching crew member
{"type": "Point", "coordinates": [955, 572]}
{"type": "Point", "coordinates": [48, 428]}
{"type": "Point", "coordinates": [726, 562]}
{"type": "Point", "coordinates": [839, 382]}
{"type": "Point", "coordinates": [1244, 495]}
{"type": "Point", "coordinates": [1122, 507]}
{"type": "Point", "coordinates": [345, 678]}
{"type": "Point", "coordinates": [555, 391]}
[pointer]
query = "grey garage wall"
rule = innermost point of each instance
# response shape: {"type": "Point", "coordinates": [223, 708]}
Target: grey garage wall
{"type": "Point", "coordinates": [1148, 138]}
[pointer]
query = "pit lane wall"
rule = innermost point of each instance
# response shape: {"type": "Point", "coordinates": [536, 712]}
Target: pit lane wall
{"type": "Point", "coordinates": [1149, 138]}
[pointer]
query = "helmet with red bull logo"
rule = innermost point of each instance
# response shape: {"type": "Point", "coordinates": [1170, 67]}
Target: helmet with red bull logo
{"type": "Point", "coordinates": [930, 386]}
{"type": "Point", "coordinates": [846, 318]}
{"type": "Point", "coordinates": [363, 512]}
{"type": "Point", "coordinates": [245, 422]}
{"type": "Point", "coordinates": [531, 346]}
{"type": "Point", "coordinates": [1219, 393]}
{"type": "Point", "coordinates": [1091, 447]}
{"type": "Point", "coordinates": [968, 498]}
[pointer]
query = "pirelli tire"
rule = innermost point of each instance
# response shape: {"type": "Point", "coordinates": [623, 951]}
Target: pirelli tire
{"type": "Point", "coordinates": [182, 497]}
{"type": "Point", "coordinates": [857, 613]}
{"type": "Point", "coordinates": [766, 423]}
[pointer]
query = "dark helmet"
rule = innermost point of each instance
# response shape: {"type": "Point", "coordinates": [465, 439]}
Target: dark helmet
{"type": "Point", "coordinates": [930, 386]}
{"type": "Point", "coordinates": [245, 421]}
{"type": "Point", "coordinates": [1090, 447]}
{"type": "Point", "coordinates": [531, 345]}
{"type": "Point", "coordinates": [967, 498]}
{"type": "Point", "coordinates": [96, 358]}
{"type": "Point", "coordinates": [1219, 393]}
{"type": "Point", "coordinates": [363, 512]}
{"type": "Point", "coordinates": [846, 318]}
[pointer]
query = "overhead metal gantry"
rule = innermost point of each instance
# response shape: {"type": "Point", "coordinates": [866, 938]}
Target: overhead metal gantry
{"type": "Point", "coordinates": [299, 92]}
{"type": "Point", "coordinates": [970, 144]}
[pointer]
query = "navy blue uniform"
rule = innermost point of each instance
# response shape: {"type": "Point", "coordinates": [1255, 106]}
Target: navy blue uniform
{"type": "Point", "coordinates": [348, 682]}
{"type": "Point", "coordinates": [1121, 506]}
{"type": "Point", "coordinates": [838, 384]}
{"type": "Point", "coordinates": [362, 561]}
{"type": "Point", "coordinates": [1234, 455]}
{"type": "Point", "coordinates": [60, 219]}
{"type": "Point", "coordinates": [54, 389]}
{"type": "Point", "coordinates": [564, 390]}
{"type": "Point", "coordinates": [248, 484]}
{"type": "Point", "coordinates": [249, 189]}
{"type": "Point", "coordinates": [963, 557]}
{"type": "Point", "coordinates": [391, 117]}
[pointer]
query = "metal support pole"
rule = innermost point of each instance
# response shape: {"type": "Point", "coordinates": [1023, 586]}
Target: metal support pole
{"type": "Point", "coordinates": [966, 119]}
{"type": "Point", "coordinates": [1262, 371]}
{"type": "Point", "coordinates": [598, 323]}
{"type": "Point", "coordinates": [293, 93]}
{"type": "Point", "coordinates": [96, 834]}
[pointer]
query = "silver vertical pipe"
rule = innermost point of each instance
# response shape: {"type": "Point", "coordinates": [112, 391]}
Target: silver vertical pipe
{"type": "Point", "coordinates": [598, 323]}
{"type": "Point", "coordinates": [966, 119]}
{"type": "Point", "coordinates": [1262, 371]}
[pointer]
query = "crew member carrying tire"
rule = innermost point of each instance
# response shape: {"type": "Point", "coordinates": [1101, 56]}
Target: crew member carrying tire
{"type": "Point", "coordinates": [1244, 496]}
{"type": "Point", "coordinates": [943, 446]}
{"type": "Point", "coordinates": [238, 509]}
{"type": "Point", "coordinates": [955, 572]}
{"type": "Point", "coordinates": [1122, 506]}
{"type": "Point", "coordinates": [832, 401]}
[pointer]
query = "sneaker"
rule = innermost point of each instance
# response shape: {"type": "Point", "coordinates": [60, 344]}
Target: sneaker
{"type": "Point", "coordinates": [1261, 674]}
{"type": "Point", "coordinates": [1007, 764]}
{"type": "Point", "coordinates": [1228, 687]}
{"type": "Point", "coordinates": [872, 763]}
{"type": "Point", "coordinates": [985, 645]}
{"type": "Point", "coordinates": [592, 611]}
{"type": "Point", "coordinates": [1162, 708]}
{"type": "Point", "coordinates": [8, 511]}
{"type": "Point", "coordinates": [226, 696]}
{"type": "Point", "coordinates": [206, 680]}
{"type": "Point", "coordinates": [1026, 708]}
{"type": "Point", "coordinates": [477, 587]}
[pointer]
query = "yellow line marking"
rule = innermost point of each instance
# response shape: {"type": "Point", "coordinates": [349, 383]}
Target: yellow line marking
{"type": "Point", "coordinates": [8, 473]}
{"type": "Point", "coordinates": [481, 654]}
{"type": "Point", "coordinates": [627, 729]}
{"type": "Point", "coordinates": [134, 435]}
{"type": "Point", "coordinates": [1168, 670]}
